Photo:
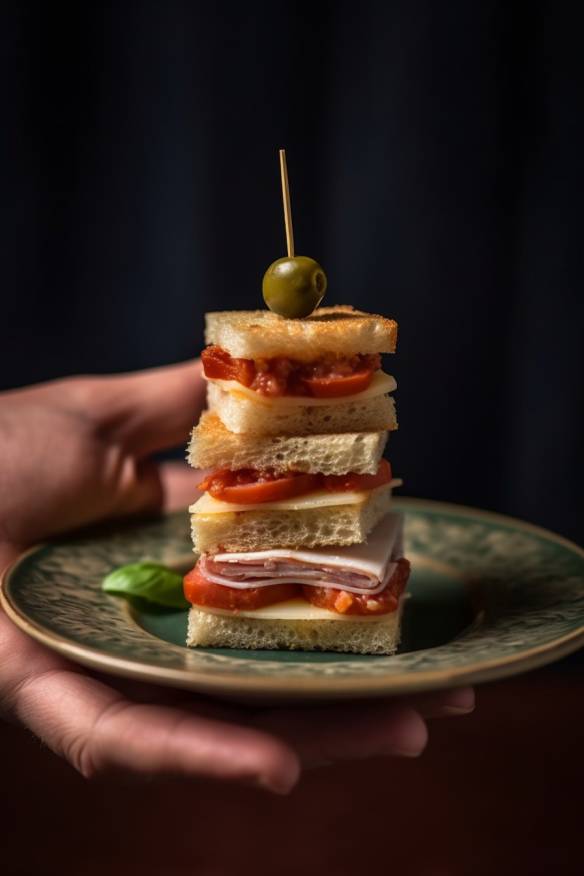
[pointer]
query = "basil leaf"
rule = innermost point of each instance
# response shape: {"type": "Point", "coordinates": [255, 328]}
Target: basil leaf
{"type": "Point", "coordinates": [148, 581]}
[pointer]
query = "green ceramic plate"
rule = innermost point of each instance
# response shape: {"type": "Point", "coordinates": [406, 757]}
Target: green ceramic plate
{"type": "Point", "coordinates": [490, 597]}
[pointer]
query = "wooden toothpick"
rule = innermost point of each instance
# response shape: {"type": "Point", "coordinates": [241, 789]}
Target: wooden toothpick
{"type": "Point", "coordinates": [287, 207]}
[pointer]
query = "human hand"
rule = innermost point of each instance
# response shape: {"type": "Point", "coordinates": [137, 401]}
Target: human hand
{"type": "Point", "coordinates": [77, 451]}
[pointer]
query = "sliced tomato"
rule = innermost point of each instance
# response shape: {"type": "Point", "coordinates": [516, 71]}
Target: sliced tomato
{"type": "Point", "coordinates": [251, 487]}
{"type": "Point", "coordinates": [338, 385]}
{"type": "Point", "coordinates": [344, 602]}
{"type": "Point", "coordinates": [200, 591]}
{"type": "Point", "coordinates": [356, 482]}
{"type": "Point", "coordinates": [218, 364]}
{"type": "Point", "coordinates": [325, 377]}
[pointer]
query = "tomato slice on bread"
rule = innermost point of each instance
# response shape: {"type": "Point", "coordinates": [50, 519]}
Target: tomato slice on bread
{"type": "Point", "coordinates": [218, 364]}
{"type": "Point", "coordinates": [357, 482]}
{"type": "Point", "coordinates": [250, 487]}
{"type": "Point", "coordinates": [338, 385]}
{"type": "Point", "coordinates": [325, 377]}
{"type": "Point", "coordinates": [200, 591]}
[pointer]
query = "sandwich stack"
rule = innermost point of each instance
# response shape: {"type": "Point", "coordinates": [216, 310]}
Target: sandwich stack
{"type": "Point", "coordinates": [297, 545]}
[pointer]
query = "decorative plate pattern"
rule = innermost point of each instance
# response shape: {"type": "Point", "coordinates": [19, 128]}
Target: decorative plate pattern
{"type": "Point", "coordinates": [526, 587]}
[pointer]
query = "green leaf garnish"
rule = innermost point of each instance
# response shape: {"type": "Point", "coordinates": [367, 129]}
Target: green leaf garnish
{"type": "Point", "coordinates": [149, 581]}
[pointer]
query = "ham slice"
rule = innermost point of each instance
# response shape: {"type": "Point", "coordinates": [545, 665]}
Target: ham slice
{"type": "Point", "coordinates": [365, 568]}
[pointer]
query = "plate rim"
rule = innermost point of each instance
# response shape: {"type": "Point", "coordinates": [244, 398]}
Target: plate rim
{"type": "Point", "coordinates": [392, 683]}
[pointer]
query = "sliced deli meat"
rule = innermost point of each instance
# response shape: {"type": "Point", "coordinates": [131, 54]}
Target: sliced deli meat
{"type": "Point", "coordinates": [360, 568]}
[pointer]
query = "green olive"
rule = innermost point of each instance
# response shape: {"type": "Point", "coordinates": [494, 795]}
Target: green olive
{"type": "Point", "coordinates": [294, 287]}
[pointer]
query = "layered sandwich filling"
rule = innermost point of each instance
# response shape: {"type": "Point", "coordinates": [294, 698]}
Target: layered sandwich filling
{"type": "Point", "coordinates": [362, 579]}
{"type": "Point", "coordinates": [327, 377]}
{"type": "Point", "coordinates": [250, 486]}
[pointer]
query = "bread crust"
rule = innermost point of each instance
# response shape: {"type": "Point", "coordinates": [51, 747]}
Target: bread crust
{"type": "Point", "coordinates": [261, 334]}
{"type": "Point", "coordinates": [309, 528]}
{"type": "Point", "coordinates": [379, 636]}
{"type": "Point", "coordinates": [214, 446]}
{"type": "Point", "coordinates": [242, 415]}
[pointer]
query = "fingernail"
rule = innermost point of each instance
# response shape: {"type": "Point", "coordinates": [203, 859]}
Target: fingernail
{"type": "Point", "coordinates": [412, 737]}
{"type": "Point", "coordinates": [281, 779]}
{"type": "Point", "coordinates": [460, 702]}
{"type": "Point", "coordinates": [277, 785]}
{"type": "Point", "coordinates": [456, 710]}
{"type": "Point", "coordinates": [408, 752]}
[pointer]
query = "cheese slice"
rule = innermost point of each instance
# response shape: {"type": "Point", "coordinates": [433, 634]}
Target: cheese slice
{"type": "Point", "coordinates": [318, 499]}
{"type": "Point", "coordinates": [380, 385]}
{"type": "Point", "coordinates": [295, 610]}
{"type": "Point", "coordinates": [369, 558]}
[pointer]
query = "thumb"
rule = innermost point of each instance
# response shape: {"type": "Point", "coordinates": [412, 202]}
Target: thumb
{"type": "Point", "coordinates": [150, 410]}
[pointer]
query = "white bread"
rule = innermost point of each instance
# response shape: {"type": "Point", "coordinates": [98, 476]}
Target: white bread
{"type": "Point", "coordinates": [373, 636]}
{"type": "Point", "coordinates": [242, 415]}
{"type": "Point", "coordinates": [308, 528]}
{"type": "Point", "coordinates": [261, 334]}
{"type": "Point", "coordinates": [213, 446]}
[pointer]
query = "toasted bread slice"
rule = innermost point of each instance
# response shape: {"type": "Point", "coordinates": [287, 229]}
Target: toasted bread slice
{"type": "Point", "coordinates": [214, 629]}
{"type": "Point", "coordinates": [261, 334]}
{"type": "Point", "coordinates": [299, 523]}
{"type": "Point", "coordinates": [214, 446]}
{"type": "Point", "coordinates": [241, 414]}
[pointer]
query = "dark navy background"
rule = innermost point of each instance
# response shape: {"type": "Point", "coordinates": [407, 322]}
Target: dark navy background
{"type": "Point", "coordinates": [435, 156]}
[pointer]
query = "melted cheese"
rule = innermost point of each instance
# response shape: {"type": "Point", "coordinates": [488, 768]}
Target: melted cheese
{"type": "Point", "coordinates": [318, 499]}
{"type": "Point", "coordinates": [381, 384]}
{"type": "Point", "coordinates": [295, 610]}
